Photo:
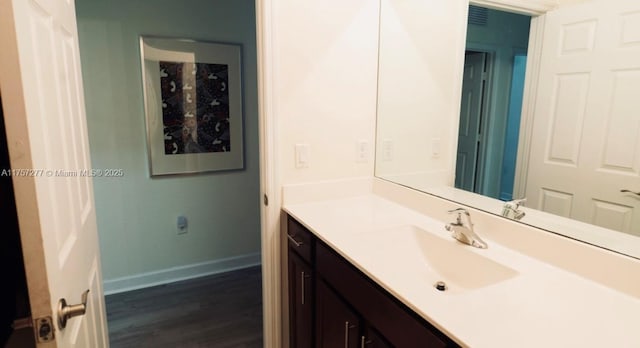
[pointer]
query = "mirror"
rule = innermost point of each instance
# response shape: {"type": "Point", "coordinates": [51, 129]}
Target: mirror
{"type": "Point", "coordinates": [556, 120]}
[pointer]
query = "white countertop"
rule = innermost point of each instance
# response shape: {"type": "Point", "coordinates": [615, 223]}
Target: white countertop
{"type": "Point", "coordinates": [538, 306]}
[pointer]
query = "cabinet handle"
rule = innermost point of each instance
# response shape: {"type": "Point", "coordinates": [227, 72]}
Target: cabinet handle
{"type": "Point", "coordinates": [364, 342]}
{"type": "Point", "coordinates": [294, 241]}
{"type": "Point", "coordinates": [347, 327]}
{"type": "Point", "coordinates": [303, 276]}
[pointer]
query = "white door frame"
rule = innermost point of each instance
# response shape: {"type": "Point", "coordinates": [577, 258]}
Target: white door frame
{"type": "Point", "coordinates": [528, 105]}
{"type": "Point", "coordinates": [269, 180]}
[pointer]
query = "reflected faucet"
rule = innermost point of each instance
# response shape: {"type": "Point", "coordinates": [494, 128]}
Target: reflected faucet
{"type": "Point", "coordinates": [462, 233]}
{"type": "Point", "coordinates": [510, 209]}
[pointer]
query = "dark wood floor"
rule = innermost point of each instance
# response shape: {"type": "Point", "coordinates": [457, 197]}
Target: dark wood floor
{"type": "Point", "coordinates": [223, 310]}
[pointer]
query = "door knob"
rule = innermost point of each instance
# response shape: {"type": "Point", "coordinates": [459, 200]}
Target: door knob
{"type": "Point", "coordinates": [65, 312]}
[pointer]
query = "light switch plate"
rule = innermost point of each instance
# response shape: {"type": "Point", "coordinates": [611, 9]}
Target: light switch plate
{"type": "Point", "coordinates": [302, 155]}
{"type": "Point", "coordinates": [435, 147]}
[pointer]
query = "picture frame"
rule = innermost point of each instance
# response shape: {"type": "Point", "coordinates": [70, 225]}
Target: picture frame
{"type": "Point", "coordinates": [193, 105]}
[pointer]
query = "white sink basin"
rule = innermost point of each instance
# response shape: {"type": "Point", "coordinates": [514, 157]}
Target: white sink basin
{"type": "Point", "coordinates": [460, 266]}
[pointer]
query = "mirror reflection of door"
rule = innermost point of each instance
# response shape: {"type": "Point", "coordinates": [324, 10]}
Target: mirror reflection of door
{"type": "Point", "coordinates": [584, 153]}
{"type": "Point", "coordinates": [493, 83]}
{"type": "Point", "coordinates": [471, 108]}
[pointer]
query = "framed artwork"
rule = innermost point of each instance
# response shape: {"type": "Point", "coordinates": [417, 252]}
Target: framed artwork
{"type": "Point", "coordinates": [193, 105]}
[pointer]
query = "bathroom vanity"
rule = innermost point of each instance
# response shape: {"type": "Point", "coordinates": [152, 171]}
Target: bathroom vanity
{"type": "Point", "coordinates": [333, 304]}
{"type": "Point", "coordinates": [367, 271]}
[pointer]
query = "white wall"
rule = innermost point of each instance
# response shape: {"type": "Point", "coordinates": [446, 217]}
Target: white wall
{"type": "Point", "coordinates": [136, 214]}
{"type": "Point", "coordinates": [320, 68]}
{"type": "Point", "coordinates": [325, 62]}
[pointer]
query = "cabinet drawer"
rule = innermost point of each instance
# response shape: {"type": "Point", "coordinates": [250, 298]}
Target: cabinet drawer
{"type": "Point", "coordinates": [394, 320]}
{"type": "Point", "coordinates": [300, 239]}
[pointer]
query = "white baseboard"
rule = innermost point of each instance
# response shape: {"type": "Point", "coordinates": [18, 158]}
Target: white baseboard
{"type": "Point", "coordinates": [169, 275]}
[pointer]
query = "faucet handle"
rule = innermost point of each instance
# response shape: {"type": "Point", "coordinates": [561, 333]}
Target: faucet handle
{"type": "Point", "coordinates": [510, 209]}
{"type": "Point", "coordinates": [459, 216]}
{"type": "Point", "coordinates": [459, 211]}
{"type": "Point", "coordinates": [519, 202]}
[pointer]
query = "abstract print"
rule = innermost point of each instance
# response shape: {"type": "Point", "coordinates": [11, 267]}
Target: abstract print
{"type": "Point", "coordinates": [195, 107]}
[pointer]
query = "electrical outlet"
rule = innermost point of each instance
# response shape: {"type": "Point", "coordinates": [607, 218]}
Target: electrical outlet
{"type": "Point", "coordinates": [182, 225]}
{"type": "Point", "coordinates": [362, 151]}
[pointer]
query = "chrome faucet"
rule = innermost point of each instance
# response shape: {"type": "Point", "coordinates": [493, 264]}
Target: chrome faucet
{"type": "Point", "coordinates": [510, 209]}
{"type": "Point", "coordinates": [462, 233]}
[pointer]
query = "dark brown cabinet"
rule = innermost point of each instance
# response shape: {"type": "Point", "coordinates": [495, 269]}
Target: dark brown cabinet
{"type": "Point", "coordinates": [337, 325]}
{"type": "Point", "coordinates": [301, 308]}
{"type": "Point", "coordinates": [371, 338]}
{"type": "Point", "coordinates": [346, 308]}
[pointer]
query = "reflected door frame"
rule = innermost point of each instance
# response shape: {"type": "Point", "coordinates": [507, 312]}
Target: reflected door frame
{"type": "Point", "coordinates": [536, 9]}
{"type": "Point", "coordinates": [534, 53]}
{"type": "Point", "coordinates": [512, 125]}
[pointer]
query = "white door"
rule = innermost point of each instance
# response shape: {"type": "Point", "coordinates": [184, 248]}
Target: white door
{"type": "Point", "coordinates": [41, 86]}
{"type": "Point", "coordinates": [470, 117]}
{"type": "Point", "coordinates": [585, 146]}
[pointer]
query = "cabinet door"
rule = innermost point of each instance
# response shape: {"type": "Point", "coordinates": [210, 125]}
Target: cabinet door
{"type": "Point", "coordinates": [337, 325]}
{"type": "Point", "coordinates": [300, 302]}
{"type": "Point", "coordinates": [371, 338]}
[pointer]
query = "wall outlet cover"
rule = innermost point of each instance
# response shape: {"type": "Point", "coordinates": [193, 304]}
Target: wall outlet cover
{"type": "Point", "coordinates": [182, 224]}
{"type": "Point", "coordinates": [362, 151]}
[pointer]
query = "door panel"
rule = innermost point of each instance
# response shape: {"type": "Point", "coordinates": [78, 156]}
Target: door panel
{"type": "Point", "coordinates": [567, 111]}
{"type": "Point", "coordinates": [46, 130]}
{"type": "Point", "coordinates": [556, 202]}
{"type": "Point", "coordinates": [585, 146]}
{"type": "Point", "coordinates": [470, 117]}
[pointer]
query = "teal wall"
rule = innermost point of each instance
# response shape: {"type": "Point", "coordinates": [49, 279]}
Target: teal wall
{"type": "Point", "coordinates": [137, 214]}
{"type": "Point", "coordinates": [504, 35]}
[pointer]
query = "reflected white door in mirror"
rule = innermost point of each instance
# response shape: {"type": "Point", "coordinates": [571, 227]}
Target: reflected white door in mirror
{"type": "Point", "coordinates": [584, 141]}
{"type": "Point", "coordinates": [578, 144]}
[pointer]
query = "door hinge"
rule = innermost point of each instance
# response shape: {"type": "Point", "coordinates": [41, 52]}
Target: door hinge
{"type": "Point", "coordinates": [44, 329]}
{"type": "Point", "coordinates": [265, 199]}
